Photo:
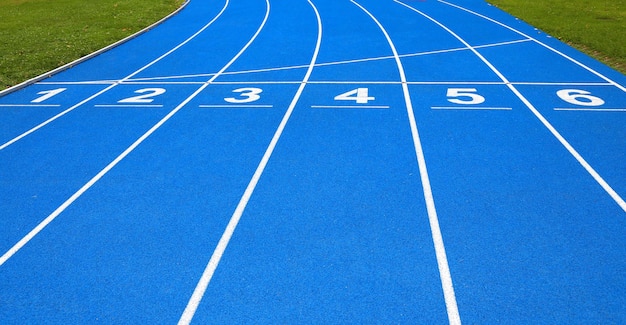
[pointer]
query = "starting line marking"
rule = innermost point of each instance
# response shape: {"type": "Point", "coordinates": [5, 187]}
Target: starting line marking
{"type": "Point", "coordinates": [350, 106]}
{"type": "Point", "coordinates": [472, 108]}
{"type": "Point", "coordinates": [29, 105]}
{"type": "Point", "coordinates": [592, 109]}
{"type": "Point", "coordinates": [134, 106]}
{"type": "Point", "coordinates": [235, 106]}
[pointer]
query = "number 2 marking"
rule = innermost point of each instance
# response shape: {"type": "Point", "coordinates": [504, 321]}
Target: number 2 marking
{"type": "Point", "coordinates": [47, 94]}
{"type": "Point", "coordinates": [249, 95]}
{"type": "Point", "coordinates": [147, 97]}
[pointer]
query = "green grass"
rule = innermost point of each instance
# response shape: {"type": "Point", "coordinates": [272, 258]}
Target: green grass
{"type": "Point", "coordinates": [596, 27]}
{"type": "Point", "coordinates": [37, 36]}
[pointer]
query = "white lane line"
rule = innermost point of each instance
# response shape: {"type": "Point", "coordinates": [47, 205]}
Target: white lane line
{"type": "Point", "coordinates": [235, 106]}
{"type": "Point", "coordinates": [205, 279]}
{"type": "Point", "coordinates": [85, 82]}
{"type": "Point", "coordinates": [30, 105]}
{"type": "Point", "coordinates": [372, 82]}
{"type": "Point", "coordinates": [616, 197]}
{"type": "Point", "coordinates": [351, 106]}
{"type": "Point", "coordinates": [472, 108]}
{"type": "Point", "coordinates": [540, 43]}
{"type": "Point", "coordinates": [123, 155]}
{"type": "Point", "coordinates": [440, 251]}
{"type": "Point", "coordinates": [139, 80]}
{"type": "Point", "coordinates": [50, 120]}
{"type": "Point", "coordinates": [561, 83]}
{"type": "Point", "coordinates": [572, 109]}
{"type": "Point", "coordinates": [129, 105]}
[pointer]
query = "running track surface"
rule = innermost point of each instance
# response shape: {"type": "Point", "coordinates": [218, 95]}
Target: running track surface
{"type": "Point", "coordinates": [318, 161]}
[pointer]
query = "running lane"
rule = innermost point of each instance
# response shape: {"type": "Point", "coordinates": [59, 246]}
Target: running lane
{"type": "Point", "coordinates": [132, 241]}
{"type": "Point", "coordinates": [532, 236]}
{"type": "Point", "coordinates": [337, 229]}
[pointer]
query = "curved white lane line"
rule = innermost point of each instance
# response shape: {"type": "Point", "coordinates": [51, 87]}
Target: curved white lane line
{"type": "Point", "coordinates": [540, 43]}
{"type": "Point", "coordinates": [616, 197]}
{"type": "Point", "coordinates": [50, 120]}
{"type": "Point", "coordinates": [205, 279]}
{"type": "Point", "coordinates": [123, 155]}
{"type": "Point", "coordinates": [293, 67]}
{"type": "Point", "coordinates": [440, 251]}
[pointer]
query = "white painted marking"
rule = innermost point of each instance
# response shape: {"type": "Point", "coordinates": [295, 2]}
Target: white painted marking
{"type": "Point", "coordinates": [562, 83]}
{"type": "Point", "coordinates": [147, 97]}
{"type": "Point", "coordinates": [86, 82]}
{"type": "Point", "coordinates": [246, 95]}
{"type": "Point", "coordinates": [472, 108]}
{"type": "Point", "coordinates": [30, 105]}
{"type": "Point", "coordinates": [119, 158]}
{"type": "Point", "coordinates": [50, 120]}
{"type": "Point", "coordinates": [235, 106]}
{"type": "Point", "coordinates": [596, 176]}
{"type": "Point", "coordinates": [440, 251]}
{"type": "Point", "coordinates": [540, 43]}
{"type": "Point", "coordinates": [294, 67]}
{"type": "Point", "coordinates": [205, 279]}
{"type": "Point", "coordinates": [591, 109]}
{"type": "Point", "coordinates": [352, 106]}
{"type": "Point", "coordinates": [129, 105]}
{"type": "Point", "coordinates": [47, 94]}
{"type": "Point", "coordinates": [374, 82]}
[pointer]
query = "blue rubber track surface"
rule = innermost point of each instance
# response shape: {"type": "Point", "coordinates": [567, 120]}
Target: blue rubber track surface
{"type": "Point", "coordinates": [315, 162]}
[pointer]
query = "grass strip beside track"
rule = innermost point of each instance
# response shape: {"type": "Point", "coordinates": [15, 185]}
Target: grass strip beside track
{"type": "Point", "coordinates": [37, 36]}
{"type": "Point", "coordinates": [596, 27]}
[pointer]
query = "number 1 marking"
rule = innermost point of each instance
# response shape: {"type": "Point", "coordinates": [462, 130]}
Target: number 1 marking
{"type": "Point", "coordinates": [47, 94]}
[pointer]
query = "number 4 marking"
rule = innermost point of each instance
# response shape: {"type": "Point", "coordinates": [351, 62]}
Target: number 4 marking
{"type": "Point", "coordinates": [47, 94]}
{"type": "Point", "coordinates": [359, 95]}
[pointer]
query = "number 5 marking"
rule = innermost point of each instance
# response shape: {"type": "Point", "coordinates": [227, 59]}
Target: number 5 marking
{"type": "Point", "coordinates": [47, 94]}
{"type": "Point", "coordinates": [249, 95]}
{"type": "Point", "coordinates": [473, 98]}
{"type": "Point", "coordinates": [147, 97]}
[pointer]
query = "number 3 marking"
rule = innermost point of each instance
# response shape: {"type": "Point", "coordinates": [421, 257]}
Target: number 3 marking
{"type": "Point", "coordinates": [249, 95]}
{"type": "Point", "coordinates": [473, 98]}
{"type": "Point", "coordinates": [147, 97]}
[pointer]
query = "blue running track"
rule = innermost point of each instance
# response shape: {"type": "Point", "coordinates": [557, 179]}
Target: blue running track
{"type": "Point", "coordinates": [318, 162]}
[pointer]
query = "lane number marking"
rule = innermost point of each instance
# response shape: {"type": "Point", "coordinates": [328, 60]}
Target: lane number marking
{"type": "Point", "coordinates": [247, 95]}
{"type": "Point", "coordinates": [359, 95]}
{"type": "Point", "coordinates": [472, 98]}
{"type": "Point", "coordinates": [147, 97]}
{"type": "Point", "coordinates": [47, 94]}
{"type": "Point", "coordinates": [579, 97]}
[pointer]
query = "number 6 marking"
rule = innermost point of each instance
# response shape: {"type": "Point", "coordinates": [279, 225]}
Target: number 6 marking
{"type": "Point", "coordinates": [574, 96]}
{"type": "Point", "coordinates": [249, 95]}
{"type": "Point", "coordinates": [147, 97]}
